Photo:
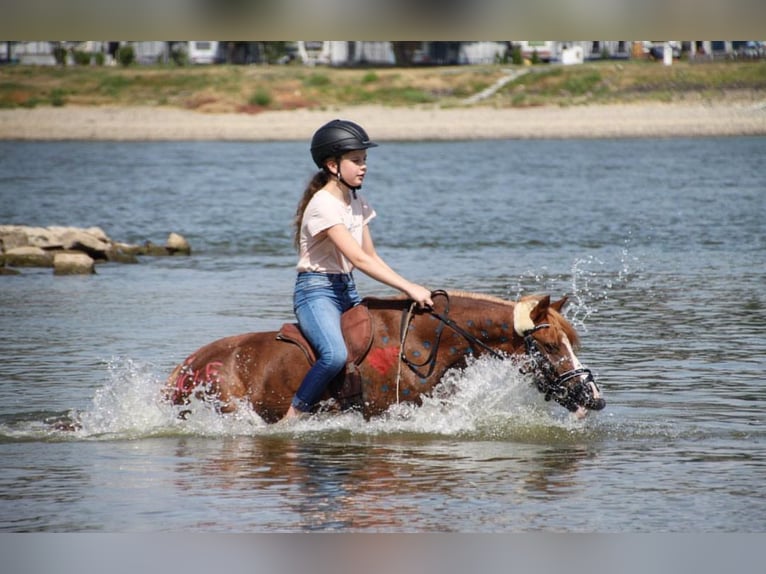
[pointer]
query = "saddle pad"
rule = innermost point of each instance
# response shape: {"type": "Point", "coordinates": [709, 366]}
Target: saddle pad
{"type": "Point", "coordinates": [357, 333]}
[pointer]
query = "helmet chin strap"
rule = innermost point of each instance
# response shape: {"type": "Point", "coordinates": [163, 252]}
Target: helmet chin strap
{"type": "Point", "coordinates": [340, 179]}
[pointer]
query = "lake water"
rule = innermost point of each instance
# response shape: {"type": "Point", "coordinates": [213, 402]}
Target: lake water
{"type": "Point", "coordinates": [659, 244]}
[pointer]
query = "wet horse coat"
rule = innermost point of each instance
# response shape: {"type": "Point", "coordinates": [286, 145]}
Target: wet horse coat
{"type": "Point", "coordinates": [397, 353]}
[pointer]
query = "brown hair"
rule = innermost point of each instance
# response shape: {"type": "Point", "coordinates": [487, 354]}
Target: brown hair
{"type": "Point", "coordinates": [317, 182]}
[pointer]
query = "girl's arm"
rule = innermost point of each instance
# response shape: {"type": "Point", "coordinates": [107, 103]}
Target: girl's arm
{"type": "Point", "coordinates": [369, 262]}
{"type": "Point", "coordinates": [369, 247]}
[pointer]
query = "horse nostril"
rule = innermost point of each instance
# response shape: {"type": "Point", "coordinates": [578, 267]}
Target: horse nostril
{"type": "Point", "coordinates": [597, 404]}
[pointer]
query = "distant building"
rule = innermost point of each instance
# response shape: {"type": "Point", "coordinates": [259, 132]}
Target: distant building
{"type": "Point", "coordinates": [361, 53]}
{"type": "Point", "coordinates": [33, 53]}
{"type": "Point", "coordinates": [554, 51]}
{"type": "Point", "coordinates": [482, 52]}
{"type": "Point", "coordinates": [343, 53]}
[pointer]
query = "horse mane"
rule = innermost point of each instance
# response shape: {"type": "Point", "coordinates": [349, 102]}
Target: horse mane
{"type": "Point", "coordinates": [467, 295]}
{"type": "Point", "coordinates": [480, 297]}
{"type": "Point", "coordinates": [555, 318]}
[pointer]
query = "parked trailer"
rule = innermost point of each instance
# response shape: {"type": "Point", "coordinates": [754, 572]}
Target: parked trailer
{"type": "Point", "coordinates": [204, 52]}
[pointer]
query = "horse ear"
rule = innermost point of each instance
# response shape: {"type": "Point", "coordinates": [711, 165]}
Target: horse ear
{"type": "Point", "coordinates": [559, 305]}
{"type": "Point", "coordinates": [541, 309]}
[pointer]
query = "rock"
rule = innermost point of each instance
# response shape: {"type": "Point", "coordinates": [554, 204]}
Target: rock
{"type": "Point", "coordinates": [127, 248]}
{"type": "Point", "coordinates": [11, 237]}
{"type": "Point", "coordinates": [28, 257]}
{"type": "Point", "coordinates": [3, 269]}
{"type": "Point", "coordinates": [177, 245]}
{"type": "Point", "coordinates": [43, 237]}
{"type": "Point", "coordinates": [98, 233]}
{"type": "Point", "coordinates": [79, 240]}
{"type": "Point", "coordinates": [149, 248]}
{"type": "Point", "coordinates": [68, 263]}
{"type": "Point", "coordinates": [122, 253]}
{"type": "Point", "coordinates": [28, 246]}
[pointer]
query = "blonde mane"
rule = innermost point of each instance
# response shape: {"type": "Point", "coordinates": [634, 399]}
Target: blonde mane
{"type": "Point", "coordinates": [468, 295]}
{"type": "Point", "coordinates": [480, 297]}
{"type": "Point", "coordinates": [521, 309]}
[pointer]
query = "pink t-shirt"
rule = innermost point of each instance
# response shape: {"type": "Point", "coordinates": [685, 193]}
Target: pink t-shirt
{"type": "Point", "coordinates": [317, 252]}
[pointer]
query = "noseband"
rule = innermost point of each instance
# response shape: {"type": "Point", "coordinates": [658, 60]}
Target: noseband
{"type": "Point", "coordinates": [554, 386]}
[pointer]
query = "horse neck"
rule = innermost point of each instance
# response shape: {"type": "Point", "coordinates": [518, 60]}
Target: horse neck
{"type": "Point", "coordinates": [490, 322]}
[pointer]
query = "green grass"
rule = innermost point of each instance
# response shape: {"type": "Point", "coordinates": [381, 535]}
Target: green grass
{"type": "Point", "coordinates": [634, 81]}
{"type": "Point", "coordinates": [317, 81]}
{"type": "Point", "coordinates": [229, 88]}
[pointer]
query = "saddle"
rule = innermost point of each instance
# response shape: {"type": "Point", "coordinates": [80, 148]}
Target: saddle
{"type": "Point", "coordinates": [356, 324]}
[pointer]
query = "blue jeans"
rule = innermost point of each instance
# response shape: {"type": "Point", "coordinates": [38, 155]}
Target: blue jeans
{"type": "Point", "coordinates": [319, 301]}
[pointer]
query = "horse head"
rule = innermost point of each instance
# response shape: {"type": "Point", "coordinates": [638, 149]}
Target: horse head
{"type": "Point", "coordinates": [549, 342]}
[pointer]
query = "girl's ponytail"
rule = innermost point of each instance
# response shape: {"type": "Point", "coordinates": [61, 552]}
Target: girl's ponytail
{"type": "Point", "coordinates": [317, 182]}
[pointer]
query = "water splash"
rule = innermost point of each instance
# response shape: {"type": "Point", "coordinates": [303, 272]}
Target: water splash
{"type": "Point", "coordinates": [593, 281]}
{"type": "Point", "coordinates": [590, 281]}
{"type": "Point", "coordinates": [487, 400]}
{"type": "Point", "coordinates": [131, 405]}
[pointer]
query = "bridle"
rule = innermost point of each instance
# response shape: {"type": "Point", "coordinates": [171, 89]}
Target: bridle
{"type": "Point", "coordinates": [547, 381]}
{"type": "Point", "coordinates": [553, 385]}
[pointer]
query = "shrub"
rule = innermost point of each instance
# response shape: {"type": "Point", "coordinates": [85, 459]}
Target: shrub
{"type": "Point", "coordinates": [517, 57]}
{"type": "Point", "coordinates": [57, 97]}
{"type": "Point", "coordinates": [126, 55]}
{"type": "Point", "coordinates": [81, 58]}
{"type": "Point", "coordinates": [179, 56]}
{"type": "Point", "coordinates": [260, 98]}
{"type": "Point", "coordinates": [60, 54]}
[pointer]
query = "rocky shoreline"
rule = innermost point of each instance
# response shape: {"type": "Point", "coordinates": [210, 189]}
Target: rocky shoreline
{"type": "Point", "coordinates": [74, 250]}
{"type": "Point", "coordinates": [692, 119]}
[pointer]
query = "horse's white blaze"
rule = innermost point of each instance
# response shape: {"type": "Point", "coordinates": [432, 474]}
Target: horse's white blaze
{"type": "Point", "coordinates": [577, 365]}
{"type": "Point", "coordinates": [572, 357]}
{"type": "Point", "coordinates": [522, 316]}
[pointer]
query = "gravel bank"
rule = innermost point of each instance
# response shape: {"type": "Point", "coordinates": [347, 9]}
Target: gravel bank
{"type": "Point", "coordinates": [610, 121]}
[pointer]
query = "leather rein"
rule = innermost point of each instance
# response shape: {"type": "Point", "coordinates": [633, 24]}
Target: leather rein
{"type": "Point", "coordinates": [445, 320]}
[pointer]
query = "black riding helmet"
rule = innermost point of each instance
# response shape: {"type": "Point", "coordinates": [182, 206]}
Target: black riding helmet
{"type": "Point", "coordinates": [337, 137]}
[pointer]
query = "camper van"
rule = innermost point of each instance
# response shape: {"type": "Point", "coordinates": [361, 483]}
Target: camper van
{"type": "Point", "coordinates": [203, 52]}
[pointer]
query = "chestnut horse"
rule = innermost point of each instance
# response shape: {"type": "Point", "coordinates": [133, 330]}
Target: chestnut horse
{"type": "Point", "coordinates": [397, 352]}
